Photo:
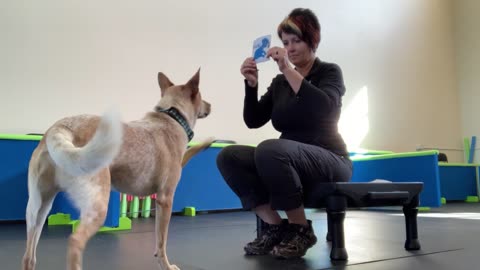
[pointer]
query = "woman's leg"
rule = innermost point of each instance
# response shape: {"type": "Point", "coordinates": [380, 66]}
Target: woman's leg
{"type": "Point", "coordinates": [237, 166]}
{"type": "Point", "coordinates": [287, 168]}
{"type": "Point", "coordinates": [297, 216]}
{"type": "Point", "coordinates": [267, 214]}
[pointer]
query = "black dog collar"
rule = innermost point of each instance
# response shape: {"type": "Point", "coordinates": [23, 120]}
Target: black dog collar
{"type": "Point", "coordinates": [175, 114]}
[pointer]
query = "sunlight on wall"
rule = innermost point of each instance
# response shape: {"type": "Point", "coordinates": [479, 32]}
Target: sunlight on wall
{"type": "Point", "coordinates": [354, 122]}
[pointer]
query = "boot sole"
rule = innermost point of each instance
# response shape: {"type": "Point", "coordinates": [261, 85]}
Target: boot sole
{"type": "Point", "coordinates": [291, 256]}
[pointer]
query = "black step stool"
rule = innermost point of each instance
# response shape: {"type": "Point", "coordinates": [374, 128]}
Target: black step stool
{"type": "Point", "coordinates": [337, 197]}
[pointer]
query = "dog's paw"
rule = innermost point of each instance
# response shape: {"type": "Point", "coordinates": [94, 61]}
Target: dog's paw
{"type": "Point", "coordinates": [28, 263]}
{"type": "Point", "coordinates": [173, 267]}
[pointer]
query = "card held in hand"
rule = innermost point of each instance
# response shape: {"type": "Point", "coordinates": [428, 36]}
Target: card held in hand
{"type": "Point", "coordinates": [260, 48]}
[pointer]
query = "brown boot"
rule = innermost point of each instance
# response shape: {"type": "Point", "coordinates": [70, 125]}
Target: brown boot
{"type": "Point", "coordinates": [298, 239]}
{"type": "Point", "coordinates": [271, 236]}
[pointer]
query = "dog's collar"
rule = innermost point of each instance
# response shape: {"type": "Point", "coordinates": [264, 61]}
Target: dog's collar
{"type": "Point", "coordinates": [175, 114]}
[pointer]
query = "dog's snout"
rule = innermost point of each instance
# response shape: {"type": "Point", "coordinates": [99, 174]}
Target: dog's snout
{"type": "Point", "coordinates": [206, 109]}
{"type": "Point", "coordinates": [208, 106]}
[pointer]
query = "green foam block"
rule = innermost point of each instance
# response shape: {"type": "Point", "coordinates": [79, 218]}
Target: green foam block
{"type": "Point", "coordinates": [466, 148]}
{"type": "Point", "coordinates": [124, 223]}
{"type": "Point", "coordinates": [189, 211]}
{"type": "Point", "coordinates": [134, 207]}
{"type": "Point", "coordinates": [472, 199]}
{"type": "Point", "coordinates": [20, 137]}
{"type": "Point", "coordinates": [59, 219]}
{"type": "Point", "coordinates": [123, 206]}
{"type": "Point", "coordinates": [146, 206]}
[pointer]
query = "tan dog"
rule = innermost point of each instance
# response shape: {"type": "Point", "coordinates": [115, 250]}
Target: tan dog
{"type": "Point", "coordinates": [84, 155]}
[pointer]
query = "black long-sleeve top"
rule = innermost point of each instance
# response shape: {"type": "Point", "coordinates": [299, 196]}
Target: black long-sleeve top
{"type": "Point", "coordinates": [310, 116]}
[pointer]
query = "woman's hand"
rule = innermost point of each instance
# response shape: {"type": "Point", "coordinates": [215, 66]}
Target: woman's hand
{"type": "Point", "coordinates": [249, 71]}
{"type": "Point", "coordinates": [280, 56]}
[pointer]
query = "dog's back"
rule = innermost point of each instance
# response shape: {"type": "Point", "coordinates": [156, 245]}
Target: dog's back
{"type": "Point", "coordinates": [85, 144]}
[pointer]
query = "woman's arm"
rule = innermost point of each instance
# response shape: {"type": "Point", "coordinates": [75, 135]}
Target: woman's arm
{"type": "Point", "coordinates": [294, 78]}
{"type": "Point", "coordinates": [257, 113]}
{"type": "Point", "coordinates": [325, 92]}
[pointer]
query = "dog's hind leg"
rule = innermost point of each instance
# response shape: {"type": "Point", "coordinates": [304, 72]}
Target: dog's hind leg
{"type": "Point", "coordinates": [91, 196]}
{"type": "Point", "coordinates": [162, 218]}
{"type": "Point", "coordinates": [41, 194]}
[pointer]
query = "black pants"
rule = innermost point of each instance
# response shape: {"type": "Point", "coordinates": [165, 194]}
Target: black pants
{"type": "Point", "coordinates": [278, 171]}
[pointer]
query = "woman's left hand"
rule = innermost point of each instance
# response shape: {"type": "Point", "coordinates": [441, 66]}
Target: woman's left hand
{"type": "Point", "coordinates": [280, 56]}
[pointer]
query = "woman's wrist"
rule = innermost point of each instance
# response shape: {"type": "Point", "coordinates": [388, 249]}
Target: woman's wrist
{"type": "Point", "coordinates": [252, 84]}
{"type": "Point", "coordinates": [294, 78]}
{"type": "Point", "coordinates": [286, 68]}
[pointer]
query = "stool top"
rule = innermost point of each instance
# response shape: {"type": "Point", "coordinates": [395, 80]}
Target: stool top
{"type": "Point", "coordinates": [359, 194]}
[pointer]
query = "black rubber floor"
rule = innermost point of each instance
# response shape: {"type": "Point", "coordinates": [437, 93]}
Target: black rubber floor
{"type": "Point", "coordinates": [450, 239]}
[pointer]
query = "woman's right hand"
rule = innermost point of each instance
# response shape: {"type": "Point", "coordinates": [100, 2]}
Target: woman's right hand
{"type": "Point", "coordinates": [249, 71]}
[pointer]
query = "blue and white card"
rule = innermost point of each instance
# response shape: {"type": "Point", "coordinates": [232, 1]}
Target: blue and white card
{"type": "Point", "coordinates": [260, 48]}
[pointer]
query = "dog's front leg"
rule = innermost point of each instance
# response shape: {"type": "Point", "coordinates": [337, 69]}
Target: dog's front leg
{"type": "Point", "coordinates": [162, 218]}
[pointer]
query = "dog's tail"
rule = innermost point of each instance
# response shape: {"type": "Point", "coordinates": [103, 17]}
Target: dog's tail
{"type": "Point", "coordinates": [98, 153]}
{"type": "Point", "coordinates": [195, 149]}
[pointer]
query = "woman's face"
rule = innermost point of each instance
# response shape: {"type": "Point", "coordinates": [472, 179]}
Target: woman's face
{"type": "Point", "coordinates": [299, 53]}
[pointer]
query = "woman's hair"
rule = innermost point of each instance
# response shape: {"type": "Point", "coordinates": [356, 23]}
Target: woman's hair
{"type": "Point", "coordinates": [303, 23]}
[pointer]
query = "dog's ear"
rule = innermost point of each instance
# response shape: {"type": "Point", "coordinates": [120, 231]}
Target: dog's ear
{"type": "Point", "coordinates": [164, 82]}
{"type": "Point", "coordinates": [194, 82]}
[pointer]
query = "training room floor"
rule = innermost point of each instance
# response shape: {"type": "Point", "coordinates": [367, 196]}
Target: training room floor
{"type": "Point", "coordinates": [449, 235]}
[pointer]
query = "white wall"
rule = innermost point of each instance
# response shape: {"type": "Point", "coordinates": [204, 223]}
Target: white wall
{"type": "Point", "coordinates": [67, 57]}
{"type": "Point", "coordinates": [467, 40]}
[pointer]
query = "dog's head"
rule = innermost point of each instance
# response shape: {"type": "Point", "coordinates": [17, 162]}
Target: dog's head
{"type": "Point", "coordinates": [186, 97]}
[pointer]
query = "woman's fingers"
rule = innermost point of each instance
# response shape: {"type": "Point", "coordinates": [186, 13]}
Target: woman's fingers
{"type": "Point", "coordinates": [249, 71]}
{"type": "Point", "coordinates": [276, 53]}
{"type": "Point", "coordinates": [248, 66]}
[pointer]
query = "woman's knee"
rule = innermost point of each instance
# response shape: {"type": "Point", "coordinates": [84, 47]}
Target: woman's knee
{"type": "Point", "coordinates": [233, 156]}
{"type": "Point", "coordinates": [225, 156]}
{"type": "Point", "coordinates": [270, 150]}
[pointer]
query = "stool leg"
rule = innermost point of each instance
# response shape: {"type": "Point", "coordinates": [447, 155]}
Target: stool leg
{"type": "Point", "coordinates": [412, 242]}
{"type": "Point", "coordinates": [336, 206]}
{"type": "Point", "coordinates": [329, 227]}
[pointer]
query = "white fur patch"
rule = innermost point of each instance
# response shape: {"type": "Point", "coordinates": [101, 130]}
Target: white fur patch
{"type": "Point", "coordinates": [98, 153]}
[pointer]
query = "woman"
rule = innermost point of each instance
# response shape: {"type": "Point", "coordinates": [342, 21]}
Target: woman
{"type": "Point", "coordinates": [304, 104]}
